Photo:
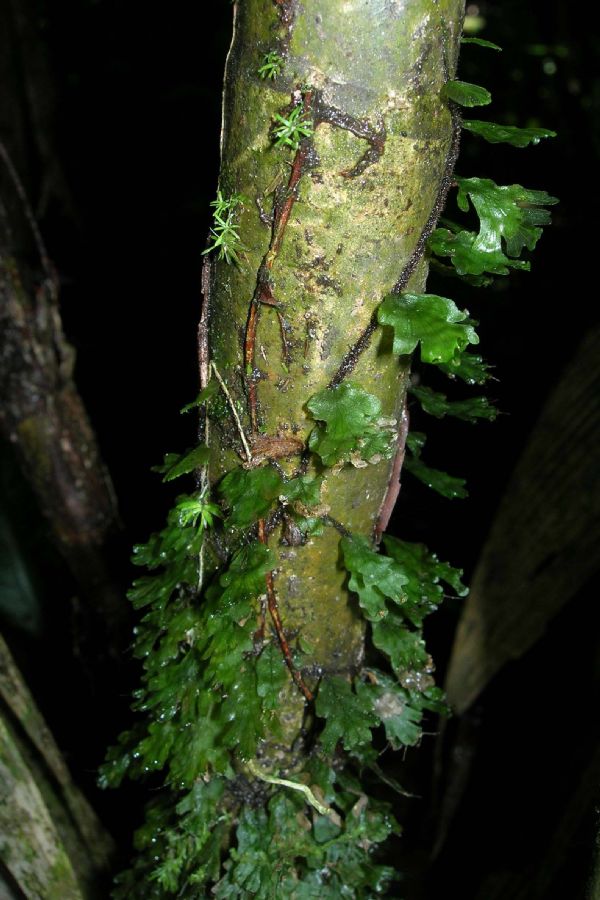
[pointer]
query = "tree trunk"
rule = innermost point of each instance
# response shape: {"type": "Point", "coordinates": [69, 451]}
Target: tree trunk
{"type": "Point", "coordinates": [328, 231]}
{"type": "Point", "coordinates": [42, 414]}
{"type": "Point", "coordinates": [51, 844]}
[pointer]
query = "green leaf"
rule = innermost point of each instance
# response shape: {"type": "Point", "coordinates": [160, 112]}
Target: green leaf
{"type": "Point", "coordinates": [448, 485]}
{"type": "Point", "coordinates": [310, 526]}
{"type": "Point", "coordinates": [470, 256]}
{"type": "Point", "coordinates": [250, 493]}
{"type": "Point", "coordinates": [304, 490]}
{"type": "Point", "coordinates": [468, 367]}
{"type": "Point", "coordinates": [349, 718]}
{"type": "Point", "coordinates": [189, 510]}
{"type": "Point", "coordinates": [350, 415]}
{"type": "Point", "coordinates": [224, 233]}
{"type": "Point", "coordinates": [434, 322]}
{"type": "Point", "coordinates": [211, 389]}
{"type": "Point", "coordinates": [271, 675]}
{"type": "Point", "coordinates": [506, 134]}
{"type": "Point", "coordinates": [438, 405]}
{"type": "Point", "coordinates": [169, 460]}
{"type": "Point", "coordinates": [372, 576]}
{"type": "Point", "coordinates": [481, 42]}
{"type": "Point", "coordinates": [278, 851]}
{"type": "Point", "coordinates": [243, 580]}
{"type": "Point", "coordinates": [272, 66]}
{"type": "Point", "coordinates": [466, 94]}
{"type": "Point", "coordinates": [288, 131]}
{"type": "Point", "coordinates": [510, 219]}
{"type": "Point", "coordinates": [511, 214]}
{"type": "Point", "coordinates": [450, 272]}
{"type": "Point", "coordinates": [405, 648]}
{"type": "Point", "coordinates": [423, 571]}
{"type": "Point", "coordinates": [409, 576]}
{"type": "Point", "coordinates": [200, 737]}
{"type": "Point", "coordinates": [391, 704]}
{"type": "Point", "coordinates": [233, 669]}
{"type": "Point", "coordinates": [376, 444]}
{"type": "Point", "coordinates": [175, 465]}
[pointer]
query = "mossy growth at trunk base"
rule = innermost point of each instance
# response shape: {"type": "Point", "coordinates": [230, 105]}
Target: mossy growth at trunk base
{"type": "Point", "coordinates": [282, 637]}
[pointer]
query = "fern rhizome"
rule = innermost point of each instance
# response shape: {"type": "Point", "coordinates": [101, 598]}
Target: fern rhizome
{"type": "Point", "coordinates": [281, 629]}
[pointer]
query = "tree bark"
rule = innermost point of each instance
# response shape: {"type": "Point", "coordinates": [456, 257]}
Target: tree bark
{"type": "Point", "coordinates": [41, 412]}
{"type": "Point", "coordinates": [328, 231]}
{"type": "Point", "coordinates": [540, 550]}
{"type": "Point", "coordinates": [51, 844]}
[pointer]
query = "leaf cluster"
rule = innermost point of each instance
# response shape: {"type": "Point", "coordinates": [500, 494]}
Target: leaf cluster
{"type": "Point", "coordinates": [283, 852]}
{"type": "Point", "coordinates": [280, 848]}
{"type": "Point", "coordinates": [250, 494]}
{"type": "Point", "coordinates": [271, 66]}
{"type": "Point", "coordinates": [206, 690]}
{"type": "Point", "coordinates": [350, 427]}
{"type": "Point", "coordinates": [179, 845]}
{"type": "Point", "coordinates": [442, 330]}
{"type": "Point", "coordinates": [438, 405]}
{"type": "Point", "coordinates": [447, 485]}
{"type": "Point", "coordinates": [506, 134]}
{"type": "Point", "coordinates": [510, 216]}
{"type": "Point", "coordinates": [396, 592]}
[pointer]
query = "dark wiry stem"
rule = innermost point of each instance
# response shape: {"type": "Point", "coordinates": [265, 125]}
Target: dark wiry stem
{"type": "Point", "coordinates": [352, 356]}
{"type": "Point", "coordinates": [263, 293]}
{"type": "Point", "coordinates": [393, 487]}
{"type": "Point", "coordinates": [273, 608]}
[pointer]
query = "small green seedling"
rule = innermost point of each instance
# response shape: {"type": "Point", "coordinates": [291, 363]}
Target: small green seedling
{"type": "Point", "coordinates": [224, 233]}
{"type": "Point", "coordinates": [288, 132]}
{"type": "Point", "coordinates": [271, 67]}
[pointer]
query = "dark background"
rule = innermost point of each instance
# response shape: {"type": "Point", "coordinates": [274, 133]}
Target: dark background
{"type": "Point", "coordinates": [137, 131]}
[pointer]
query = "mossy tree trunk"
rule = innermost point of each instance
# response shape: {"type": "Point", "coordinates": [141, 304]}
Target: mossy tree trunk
{"type": "Point", "coordinates": [328, 230]}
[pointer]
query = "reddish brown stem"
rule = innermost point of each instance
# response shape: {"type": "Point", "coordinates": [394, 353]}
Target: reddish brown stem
{"type": "Point", "coordinates": [249, 348]}
{"type": "Point", "coordinates": [284, 343]}
{"type": "Point", "coordinates": [263, 293]}
{"type": "Point", "coordinates": [393, 486]}
{"type": "Point", "coordinates": [283, 216]}
{"type": "Point", "coordinates": [273, 608]}
{"type": "Point", "coordinates": [349, 362]}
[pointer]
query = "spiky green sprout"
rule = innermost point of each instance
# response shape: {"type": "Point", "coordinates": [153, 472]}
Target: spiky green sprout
{"type": "Point", "coordinates": [224, 233]}
{"type": "Point", "coordinates": [190, 510]}
{"type": "Point", "coordinates": [272, 66]}
{"type": "Point", "coordinates": [288, 132]}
